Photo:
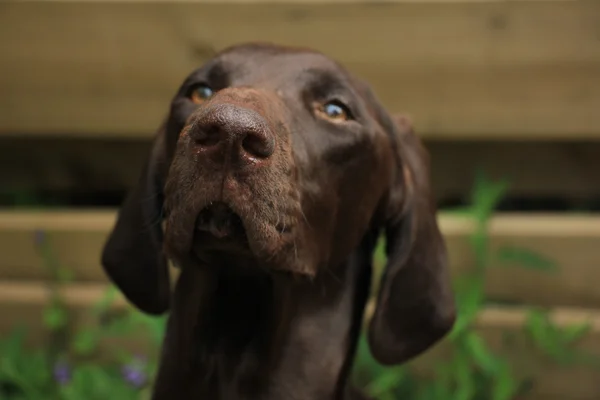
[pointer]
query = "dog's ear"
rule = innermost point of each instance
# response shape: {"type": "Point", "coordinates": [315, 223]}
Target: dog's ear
{"type": "Point", "coordinates": [132, 256]}
{"type": "Point", "coordinates": [415, 305]}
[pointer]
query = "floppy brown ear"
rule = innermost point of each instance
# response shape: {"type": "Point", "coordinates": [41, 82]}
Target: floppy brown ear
{"type": "Point", "coordinates": [132, 256]}
{"type": "Point", "coordinates": [415, 305]}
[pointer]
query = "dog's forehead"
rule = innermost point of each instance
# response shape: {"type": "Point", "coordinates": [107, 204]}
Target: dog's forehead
{"type": "Point", "coordinates": [252, 64]}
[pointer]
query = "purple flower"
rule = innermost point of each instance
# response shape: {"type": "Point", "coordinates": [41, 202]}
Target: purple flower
{"type": "Point", "coordinates": [39, 238]}
{"type": "Point", "coordinates": [134, 373]}
{"type": "Point", "coordinates": [62, 373]}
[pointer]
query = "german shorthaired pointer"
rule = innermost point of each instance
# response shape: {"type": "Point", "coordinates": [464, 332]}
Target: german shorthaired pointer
{"type": "Point", "coordinates": [268, 185]}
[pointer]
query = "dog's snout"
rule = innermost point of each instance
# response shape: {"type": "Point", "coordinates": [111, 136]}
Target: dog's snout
{"type": "Point", "coordinates": [228, 129]}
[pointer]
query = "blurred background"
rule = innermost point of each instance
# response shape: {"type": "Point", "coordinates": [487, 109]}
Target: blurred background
{"type": "Point", "coordinates": [504, 93]}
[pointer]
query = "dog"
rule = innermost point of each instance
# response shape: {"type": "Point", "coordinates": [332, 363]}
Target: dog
{"type": "Point", "coordinates": [268, 186]}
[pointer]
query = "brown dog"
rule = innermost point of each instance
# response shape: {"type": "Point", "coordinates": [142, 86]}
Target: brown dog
{"type": "Point", "coordinates": [274, 174]}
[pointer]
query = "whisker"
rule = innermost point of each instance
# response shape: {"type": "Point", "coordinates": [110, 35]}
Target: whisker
{"type": "Point", "coordinates": [304, 217]}
{"type": "Point", "coordinates": [296, 250]}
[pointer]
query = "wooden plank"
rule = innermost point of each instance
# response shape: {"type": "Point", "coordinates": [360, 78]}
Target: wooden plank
{"type": "Point", "coordinates": [571, 241]}
{"type": "Point", "coordinates": [76, 239]}
{"type": "Point", "coordinates": [518, 69]}
{"type": "Point", "coordinates": [22, 303]}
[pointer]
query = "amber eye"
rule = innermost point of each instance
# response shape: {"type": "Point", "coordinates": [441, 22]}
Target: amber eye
{"type": "Point", "coordinates": [335, 111]}
{"type": "Point", "coordinates": [200, 93]}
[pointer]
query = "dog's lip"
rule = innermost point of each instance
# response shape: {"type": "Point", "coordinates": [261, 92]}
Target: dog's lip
{"type": "Point", "coordinates": [219, 230]}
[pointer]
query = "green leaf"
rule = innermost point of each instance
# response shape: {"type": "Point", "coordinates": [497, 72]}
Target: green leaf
{"type": "Point", "coordinates": [480, 353]}
{"type": "Point", "coordinates": [432, 391]}
{"type": "Point", "coordinates": [480, 245]}
{"type": "Point", "coordinates": [386, 382]}
{"type": "Point", "coordinates": [55, 317]}
{"type": "Point", "coordinates": [38, 368]}
{"type": "Point", "coordinates": [442, 383]}
{"type": "Point", "coordinates": [464, 378]}
{"type": "Point", "coordinates": [544, 335]}
{"type": "Point", "coordinates": [486, 195]}
{"type": "Point", "coordinates": [17, 376]}
{"type": "Point", "coordinates": [92, 382]}
{"type": "Point", "coordinates": [575, 332]}
{"type": "Point", "coordinates": [12, 346]}
{"type": "Point", "coordinates": [85, 342]}
{"type": "Point", "coordinates": [525, 258]}
{"type": "Point", "coordinates": [387, 396]}
{"type": "Point", "coordinates": [469, 298]}
{"type": "Point", "coordinates": [364, 360]}
{"type": "Point", "coordinates": [505, 386]}
{"type": "Point", "coordinates": [119, 325]}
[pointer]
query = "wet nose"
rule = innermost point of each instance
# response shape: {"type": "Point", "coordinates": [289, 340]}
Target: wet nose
{"type": "Point", "coordinates": [224, 129]}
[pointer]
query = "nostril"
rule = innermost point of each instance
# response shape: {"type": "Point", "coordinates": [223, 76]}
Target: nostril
{"type": "Point", "coordinates": [258, 145]}
{"type": "Point", "coordinates": [227, 130]}
{"type": "Point", "coordinates": [208, 136]}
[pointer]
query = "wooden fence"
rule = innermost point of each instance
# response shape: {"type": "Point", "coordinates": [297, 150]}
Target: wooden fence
{"type": "Point", "coordinates": [509, 86]}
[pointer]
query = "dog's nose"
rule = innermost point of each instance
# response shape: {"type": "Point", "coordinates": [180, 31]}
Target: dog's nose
{"type": "Point", "coordinates": [227, 129]}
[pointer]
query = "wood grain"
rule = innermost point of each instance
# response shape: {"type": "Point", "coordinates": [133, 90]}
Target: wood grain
{"type": "Point", "coordinates": [571, 242]}
{"type": "Point", "coordinates": [462, 69]}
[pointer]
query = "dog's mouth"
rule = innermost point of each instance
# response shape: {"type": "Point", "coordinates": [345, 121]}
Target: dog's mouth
{"type": "Point", "coordinates": [218, 227]}
{"type": "Point", "coordinates": [224, 232]}
{"type": "Point", "coordinates": [220, 221]}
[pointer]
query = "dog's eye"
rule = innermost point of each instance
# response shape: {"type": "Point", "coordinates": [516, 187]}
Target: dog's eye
{"type": "Point", "coordinates": [200, 93]}
{"type": "Point", "coordinates": [335, 111]}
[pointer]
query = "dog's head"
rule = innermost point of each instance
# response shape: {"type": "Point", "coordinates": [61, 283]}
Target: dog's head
{"type": "Point", "coordinates": [279, 157]}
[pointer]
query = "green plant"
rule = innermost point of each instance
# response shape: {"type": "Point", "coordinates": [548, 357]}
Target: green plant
{"type": "Point", "coordinates": [79, 361]}
{"type": "Point", "coordinates": [472, 370]}
{"type": "Point", "coordinates": [68, 367]}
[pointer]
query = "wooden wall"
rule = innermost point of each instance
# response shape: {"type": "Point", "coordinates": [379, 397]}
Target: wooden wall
{"type": "Point", "coordinates": [464, 69]}
{"type": "Point", "coordinates": [509, 86]}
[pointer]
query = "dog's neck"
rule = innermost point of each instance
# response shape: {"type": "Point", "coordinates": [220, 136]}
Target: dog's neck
{"type": "Point", "coordinates": [262, 337]}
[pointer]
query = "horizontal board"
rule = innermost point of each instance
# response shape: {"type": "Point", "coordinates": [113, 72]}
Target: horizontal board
{"type": "Point", "coordinates": [22, 303]}
{"type": "Point", "coordinates": [496, 68]}
{"type": "Point", "coordinates": [571, 241]}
